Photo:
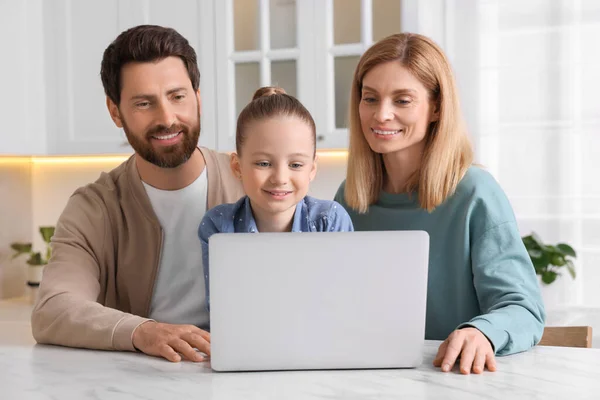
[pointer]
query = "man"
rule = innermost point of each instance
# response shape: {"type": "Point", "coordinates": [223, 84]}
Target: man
{"type": "Point", "coordinates": [126, 270]}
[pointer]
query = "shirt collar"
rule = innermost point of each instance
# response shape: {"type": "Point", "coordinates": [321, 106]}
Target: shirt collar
{"type": "Point", "coordinates": [299, 224]}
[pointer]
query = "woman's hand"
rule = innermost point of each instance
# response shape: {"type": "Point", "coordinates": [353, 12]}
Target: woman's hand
{"type": "Point", "coordinates": [473, 348]}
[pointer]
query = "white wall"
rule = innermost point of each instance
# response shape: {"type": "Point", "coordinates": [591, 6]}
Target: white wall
{"type": "Point", "coordinates": [528, 80]}
{"type": "Point", "coordinates": [15, 223]}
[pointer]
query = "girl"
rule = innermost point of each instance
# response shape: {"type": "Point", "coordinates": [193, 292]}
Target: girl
{"type": "Point", "coordinates": [275, 160]}
{"type": "Point", "coordinates": [410, 167]}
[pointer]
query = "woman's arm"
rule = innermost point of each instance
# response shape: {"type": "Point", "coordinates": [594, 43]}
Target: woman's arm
{"type": "Point", "coordinates": [513, 313]}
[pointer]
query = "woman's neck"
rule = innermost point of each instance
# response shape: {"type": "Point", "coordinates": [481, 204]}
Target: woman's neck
{"type": "Point", "coordinates": [400, 167]}
{"type": "Point", "coordinates": [273, 222]}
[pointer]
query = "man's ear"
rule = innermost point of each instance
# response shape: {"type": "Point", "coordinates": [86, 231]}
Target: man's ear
{"type": "Point", "coordinates": [113, 110]}
{"type": "Point", "coordinates": [313, 171]}
{"type": "Point", "coordinates": [234, 163]}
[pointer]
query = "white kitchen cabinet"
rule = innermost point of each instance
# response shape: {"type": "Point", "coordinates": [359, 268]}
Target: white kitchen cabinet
{"type": "Point", "coordinates": [21, 78]}
{"type": "Point", "coordinates": [309, 47]}
{"type": "Point", "coordinates": [76, 35]}
{"type": "Point", "coordinates": [57, 104]}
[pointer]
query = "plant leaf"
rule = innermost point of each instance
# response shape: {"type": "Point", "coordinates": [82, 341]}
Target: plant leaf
{"type": "Point", "coordinates": [35, 259]}
{"type": "Point", "coordinates": [571, 268]}
{"type": "Point", "coordinates": [47, 232]}
{"type": "Point", "coordinates": [20, 248]}
{"type": "Point", "coordinates": [566, 249]}
{"type": "Point", "coordinates": [534, 253]}
{"type": "Point", "coordinates": [530, 243]}
{"type": "Point", "coordinates": [48, 254]}
{"type": "Point", "coordinates": [542, 261]}
{"type": "Point", "coordinates": [558, 260]}
{"type": "Point", "coordinates": [549, 276]}
{"type": "Point", "coordinates": [537, 240]}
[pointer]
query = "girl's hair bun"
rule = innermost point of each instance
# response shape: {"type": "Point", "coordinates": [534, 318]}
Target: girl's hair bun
{"type": "Point", "coordinates": [267, 91]}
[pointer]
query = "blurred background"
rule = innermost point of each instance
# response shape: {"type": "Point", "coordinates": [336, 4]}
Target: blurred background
{"type": "Point", "coordinates": [528, 74]}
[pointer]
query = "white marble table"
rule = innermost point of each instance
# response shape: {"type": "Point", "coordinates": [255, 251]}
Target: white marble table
{"type": "Point", "coordinates": [29, 371]}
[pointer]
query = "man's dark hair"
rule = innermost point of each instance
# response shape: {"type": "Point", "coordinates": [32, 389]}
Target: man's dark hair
{"type": "Point", "coordinates": [145, 43]}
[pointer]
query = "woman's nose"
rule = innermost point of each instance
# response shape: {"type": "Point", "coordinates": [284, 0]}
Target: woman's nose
{"type": "Point", "coordinates": [384, 112]}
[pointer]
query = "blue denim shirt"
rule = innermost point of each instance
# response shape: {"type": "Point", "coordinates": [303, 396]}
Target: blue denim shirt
{"type": "Point", "coordinates": [312, 215]}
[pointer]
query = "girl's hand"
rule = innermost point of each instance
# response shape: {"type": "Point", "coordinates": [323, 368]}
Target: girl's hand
{"type": "Point", "coordinates": [473, 348]}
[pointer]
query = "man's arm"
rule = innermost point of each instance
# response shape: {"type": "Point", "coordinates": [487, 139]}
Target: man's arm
{"type": "Point", "coordinates": [67, 312]}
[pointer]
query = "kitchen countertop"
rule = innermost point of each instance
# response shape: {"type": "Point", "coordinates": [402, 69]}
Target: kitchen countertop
{"type": "Point", "coordinates": [29, 371]}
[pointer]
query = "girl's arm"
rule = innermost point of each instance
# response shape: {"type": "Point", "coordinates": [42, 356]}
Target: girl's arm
{"type": "Point", "coordinates": [340, 220]}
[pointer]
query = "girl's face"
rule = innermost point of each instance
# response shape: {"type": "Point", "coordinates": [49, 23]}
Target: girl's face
{"type": "Point", "coordinates": [395, 109]}
{"type": "Point", "coordinates": [276, 164]}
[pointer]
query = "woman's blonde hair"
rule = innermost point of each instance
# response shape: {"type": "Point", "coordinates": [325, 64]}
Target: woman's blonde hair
{"type": "Point", "coordinates": [448, 152]}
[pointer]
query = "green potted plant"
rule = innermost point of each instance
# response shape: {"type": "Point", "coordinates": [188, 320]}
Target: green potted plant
{"type": "Point", "coordinates": [548, 260]}
{"type": "Point", "coordinates": [36, 260]}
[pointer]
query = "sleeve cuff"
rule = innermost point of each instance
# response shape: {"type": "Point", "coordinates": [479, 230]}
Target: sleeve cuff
{"type": "Point", "coordinates": [497, 337]}
{"type": "Point", "coordinates": [123, 333]}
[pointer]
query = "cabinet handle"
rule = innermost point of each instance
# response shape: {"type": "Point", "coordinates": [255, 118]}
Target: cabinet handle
{"type": "Point", "coordinates": [320, 138]}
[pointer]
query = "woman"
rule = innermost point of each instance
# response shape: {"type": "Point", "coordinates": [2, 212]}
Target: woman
{"type": "Point", "coordinates": [410, 168]}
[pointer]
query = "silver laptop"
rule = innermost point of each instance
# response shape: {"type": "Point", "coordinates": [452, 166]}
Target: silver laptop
{"type": "Point", "coordinates": [327, 300]}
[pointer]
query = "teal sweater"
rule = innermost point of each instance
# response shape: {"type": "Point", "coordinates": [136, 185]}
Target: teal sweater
{"type": "Point", "coordinates": [480, 274]}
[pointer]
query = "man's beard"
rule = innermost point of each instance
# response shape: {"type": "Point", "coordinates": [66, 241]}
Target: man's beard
{"type": "Point", "coordinates": [167, 156]}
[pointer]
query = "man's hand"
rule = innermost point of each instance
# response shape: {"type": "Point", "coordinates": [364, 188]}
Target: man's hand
{"type": "Point", "coordinates": [169, 341]}
{"type": "Point", "coordinates": [472, 346]}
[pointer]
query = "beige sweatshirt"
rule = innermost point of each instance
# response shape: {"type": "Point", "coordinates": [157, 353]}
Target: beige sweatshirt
{"type": "Point", "coordinates": [106, 249]}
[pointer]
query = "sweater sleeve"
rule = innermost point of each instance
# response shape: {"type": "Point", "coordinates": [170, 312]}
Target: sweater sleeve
{"type": "Point", "coordinates": [67, 312]}
{"type": "Point", "coordinates": [513, 313]}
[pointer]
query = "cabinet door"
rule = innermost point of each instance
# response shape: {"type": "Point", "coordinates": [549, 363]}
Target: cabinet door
{"type": "Point", "coordinates": [76, 35]}
{"type": "Point", "coordinates": [259, 43]}
{"type": "Point", "coordinates": [22, 80]}
{"type": "Point", "coordinates": [310, 47]}
{"type": "Point", "coordinates": [344, 29]}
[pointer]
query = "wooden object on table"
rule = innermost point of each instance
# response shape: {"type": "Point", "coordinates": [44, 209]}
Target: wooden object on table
{"type": "Point", "coordinates": [567, 336]}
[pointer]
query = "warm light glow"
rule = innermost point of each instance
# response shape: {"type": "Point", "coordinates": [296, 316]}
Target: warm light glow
{"type": "Point", "coordinates": [14, 160]}
{"type": "Point", "coordinates": [333, 153]}
{"type": "Point", "coordinates": [79, 159]}
{"type": "Point", "coordinates": [92, 159]}
{"type": "Point", "coordinates": [63, 159]}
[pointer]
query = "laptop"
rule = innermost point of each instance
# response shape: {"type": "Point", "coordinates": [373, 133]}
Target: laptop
{"type": "Point", "coordinates": [322, 300]}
